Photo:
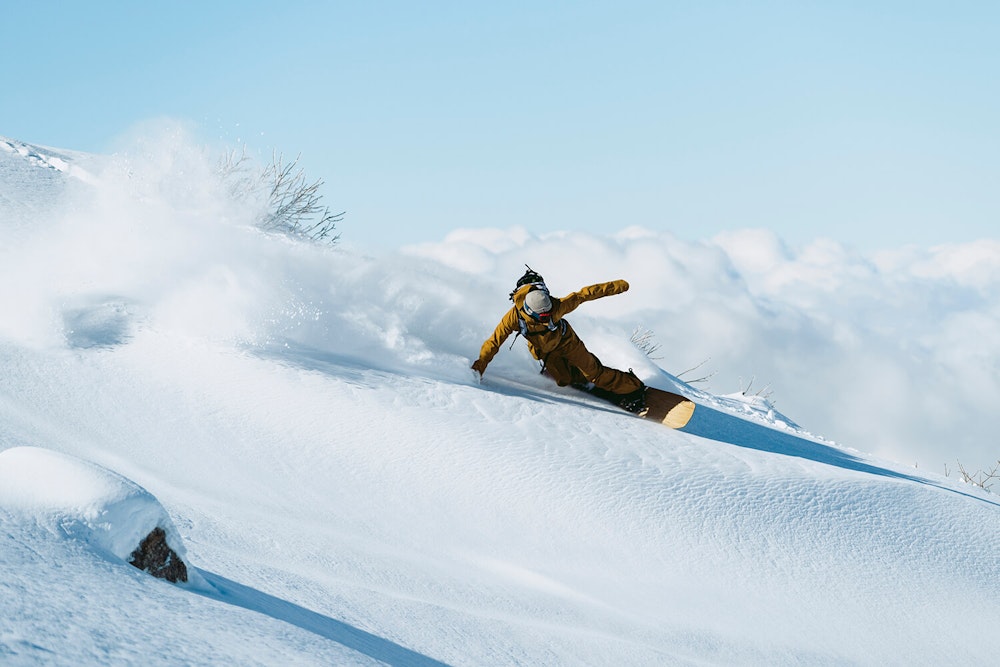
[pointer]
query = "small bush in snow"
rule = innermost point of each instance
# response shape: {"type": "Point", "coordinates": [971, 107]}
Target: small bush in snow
{"type": "Point", "coordinates": [984, 479]}
{"type": "Point", "coordinates": [645, 340]}
{"type": "Point", "coordinates": [289, 204]}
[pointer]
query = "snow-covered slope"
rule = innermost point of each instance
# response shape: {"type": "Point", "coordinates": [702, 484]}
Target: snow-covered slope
{"type": "Point", "coordinates": [35, 177]}
{"type": "Point", "coordinates": [350, 494]}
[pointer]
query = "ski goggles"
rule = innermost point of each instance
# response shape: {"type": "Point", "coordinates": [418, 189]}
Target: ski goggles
{"type": "Point", "coordinates": [544, 317]}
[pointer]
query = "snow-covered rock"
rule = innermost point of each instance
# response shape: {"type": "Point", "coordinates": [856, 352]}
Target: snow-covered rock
{"type": "Point", "coordinates": [94, 505]}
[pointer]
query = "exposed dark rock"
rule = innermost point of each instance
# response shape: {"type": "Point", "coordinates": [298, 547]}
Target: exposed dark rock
{"type": "Point", "coordinates": [156, 557]}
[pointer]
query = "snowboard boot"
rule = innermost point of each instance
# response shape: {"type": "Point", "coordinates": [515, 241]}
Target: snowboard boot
{"type": "Point", "coordinates": [634, 401]}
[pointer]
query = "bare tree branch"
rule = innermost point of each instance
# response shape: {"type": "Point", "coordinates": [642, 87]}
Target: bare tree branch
{"type": "Point", "coordinates": [765, 392]}
{"type": "Point", "coordinates": [645, 340]}
{"type": "Point", "coordinates": [704, 378]}
{"type": "Point", "coordinates": [983, 479]}
{"type": "Point", "coordinates": [291, 204]}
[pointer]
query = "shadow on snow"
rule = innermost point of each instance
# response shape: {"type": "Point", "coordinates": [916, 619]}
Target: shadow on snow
{"type": "Point", "coordinates": [363, 642]}
{"type": "Point", "coordinates": [717, 425]}
{"type": "Point", "coordinates": [730, 429]}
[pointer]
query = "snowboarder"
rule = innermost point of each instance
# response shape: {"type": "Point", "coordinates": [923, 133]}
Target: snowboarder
{"type": "Point", "coordinates": [539, 317]}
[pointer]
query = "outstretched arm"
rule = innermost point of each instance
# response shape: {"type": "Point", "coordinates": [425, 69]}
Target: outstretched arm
{"type": "Point", "coordinates": [571, 301]}
{"type": "Point", "coordinates": [491, 346]}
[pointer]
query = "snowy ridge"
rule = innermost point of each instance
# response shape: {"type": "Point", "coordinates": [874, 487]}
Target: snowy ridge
{"type": "Point", "coordinates": [36, 181]}
{"type": "Point", "coordinates": [46, 158]}
{"type": "Point", "coordinates": [31, 154]}
{"type": "Point", "coordinates": [351, 494]}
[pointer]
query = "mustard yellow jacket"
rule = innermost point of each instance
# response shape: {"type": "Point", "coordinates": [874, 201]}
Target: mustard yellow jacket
{"type": "Point", "coordinates": [542, 339]}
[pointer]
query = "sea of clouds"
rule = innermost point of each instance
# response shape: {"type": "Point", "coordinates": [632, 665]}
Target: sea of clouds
{"type": "Point", "coordinates": [896, 353]}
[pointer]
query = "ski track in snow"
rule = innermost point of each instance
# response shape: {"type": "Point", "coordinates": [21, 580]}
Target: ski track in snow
{"type": "Point", "coordinates": [352, 496]}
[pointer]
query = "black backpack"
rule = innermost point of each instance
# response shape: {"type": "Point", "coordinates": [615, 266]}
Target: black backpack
{"type": "Point", "coordinates": [530, 277]}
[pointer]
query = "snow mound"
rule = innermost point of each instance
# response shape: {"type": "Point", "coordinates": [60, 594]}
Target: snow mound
{"type": "Point", "coordinates": [82, 500]}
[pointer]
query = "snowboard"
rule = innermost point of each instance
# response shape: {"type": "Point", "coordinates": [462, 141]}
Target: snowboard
{"type": "Point", "coordinates": [661, 406]}
{"type": "Point", "coordinates": [671, 409]}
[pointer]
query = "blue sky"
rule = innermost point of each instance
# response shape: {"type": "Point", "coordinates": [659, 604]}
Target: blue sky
{"type": "Point", "coordinates": [872, 123]}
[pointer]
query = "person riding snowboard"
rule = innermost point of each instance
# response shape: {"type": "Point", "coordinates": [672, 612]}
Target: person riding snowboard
{"type": "Point", "coordinates": [539, 317]}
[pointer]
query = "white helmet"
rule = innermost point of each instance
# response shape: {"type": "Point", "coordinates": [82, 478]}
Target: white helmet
{"type": "Point", "coordinates": [538, 305]}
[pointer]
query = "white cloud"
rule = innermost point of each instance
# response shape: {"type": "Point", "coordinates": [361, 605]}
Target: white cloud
{"type": "Point", "coordinates": [896, 353]}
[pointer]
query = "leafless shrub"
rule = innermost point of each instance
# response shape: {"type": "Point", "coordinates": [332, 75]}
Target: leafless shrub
{"type": "Point", "coordinates": [704, 378]}
{"type": "Point", "coordinates": [238, 175]}
{"type": "Point", "coordinates": [645, 340]}
{"type": "Point", "coordinates": [291, 205]}
{"type": "Point", "coordinates": [765, 392]}
{"type": "Point", "coordinates": [984, 479]}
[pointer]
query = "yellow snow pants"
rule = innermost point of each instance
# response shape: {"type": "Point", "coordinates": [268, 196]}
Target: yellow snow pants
{"type": "Point", "coordinates": [572, 363]}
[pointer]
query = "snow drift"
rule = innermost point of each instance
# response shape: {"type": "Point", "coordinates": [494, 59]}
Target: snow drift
{"type": "Point", "coordinates": [84, 501]}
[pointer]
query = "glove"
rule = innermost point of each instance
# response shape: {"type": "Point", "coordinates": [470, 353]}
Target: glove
{"type": "Point", "coordinates": [479, 366]}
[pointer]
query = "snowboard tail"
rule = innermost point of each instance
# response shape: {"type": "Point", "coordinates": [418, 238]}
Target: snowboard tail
{"type": "Point", "coordinates": [665, 407]}
{"type": "Point", "coordinates": [671, 409]}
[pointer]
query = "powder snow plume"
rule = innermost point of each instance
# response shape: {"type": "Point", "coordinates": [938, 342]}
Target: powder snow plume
{"type": "Point", "coordinates": [155, 241]}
